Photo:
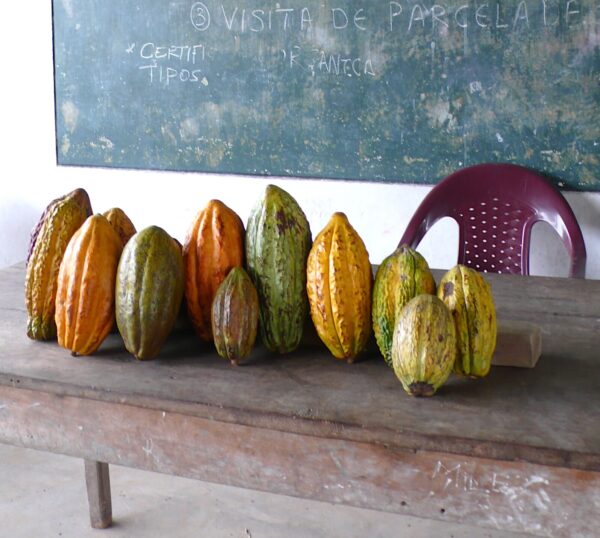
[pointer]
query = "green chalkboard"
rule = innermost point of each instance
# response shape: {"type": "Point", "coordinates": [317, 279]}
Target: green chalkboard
{"type": "Point", "coordinates": [372, 90]}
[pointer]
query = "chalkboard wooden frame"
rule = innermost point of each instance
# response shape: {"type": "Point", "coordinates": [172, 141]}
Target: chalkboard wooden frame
{"type": "Point", "coordinates": [393, 91]}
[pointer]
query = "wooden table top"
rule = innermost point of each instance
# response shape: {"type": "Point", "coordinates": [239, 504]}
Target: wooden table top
{"type": "Point", "coordinates": [548, 415]}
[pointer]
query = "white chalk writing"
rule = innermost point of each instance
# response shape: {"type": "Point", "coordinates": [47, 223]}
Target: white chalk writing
{"type": "Point", "coordinates": [519, 490]}
{"type": "Point", "coordinates": [319, 52]}
{"type": "Point", "coordinates": [166, 64]}
{"type": "Point", "coordinates": [399, 16]}
{"type": "Point", "coordinates": [183, 53]}
{"type": "Point", "coordinates": [518, 17]}
{"type": "Point", "coordinates": [316, 61]}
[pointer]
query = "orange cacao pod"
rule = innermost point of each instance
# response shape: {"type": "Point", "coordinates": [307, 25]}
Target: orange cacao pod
{"type": "Point", "coordinates": [213, 245]}
{"type": "Point", "coordinates": [85, 297]}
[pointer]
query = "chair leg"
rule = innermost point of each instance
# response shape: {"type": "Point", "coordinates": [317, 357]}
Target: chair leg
{"type": "Point", "coordinates": [98, 490]}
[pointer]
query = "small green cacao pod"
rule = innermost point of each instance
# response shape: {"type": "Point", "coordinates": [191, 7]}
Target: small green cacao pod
{"type": "Point", "coordinates": [469, 298]}
{"type": "Point", "coordinates": [278, 241]}
{"type": "Point", "coordinates": [149, 290]}
{"type": "Point", "coordinates": [234, 316]}
{"type": "Point", "coordinates": [404, 274]}
{"type": "Point", "coordinates": [424, 345]}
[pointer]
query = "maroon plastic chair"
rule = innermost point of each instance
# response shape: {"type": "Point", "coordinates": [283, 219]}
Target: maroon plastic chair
{"type": "Point", "coordinates": [496, 206]}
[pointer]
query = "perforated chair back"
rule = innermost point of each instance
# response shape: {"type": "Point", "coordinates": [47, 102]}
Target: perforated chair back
{"type": "Point", "coordinates": [496, 206]}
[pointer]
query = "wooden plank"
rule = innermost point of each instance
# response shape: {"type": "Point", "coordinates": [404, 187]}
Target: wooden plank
{"type": "Point", "coordinates": [547, 415]}
{"type": "Point", "coordinates": [516, 496]}
{"type": "Point", "coordinates": [97, 480]}
{"type": "Point", "coordinates": [519, 343]}
{"type": "Point", "coordinates": [555, 304]}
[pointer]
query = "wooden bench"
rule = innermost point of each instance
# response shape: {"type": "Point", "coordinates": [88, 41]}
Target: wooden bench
{"type": "Point", "coordinates": [518, 450]}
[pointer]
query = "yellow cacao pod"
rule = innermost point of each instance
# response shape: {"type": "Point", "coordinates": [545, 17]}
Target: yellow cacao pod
{"type": "Point", "coordinates": [62, 220]}
{"type": "Point", "coordinates": [424, 345]}
{"type": "Point", "coordinates": [339, 285]}
{"type": "Point", "coordinates": [469, 297]}
{"type": "Point", "coordinates": [404, 274]}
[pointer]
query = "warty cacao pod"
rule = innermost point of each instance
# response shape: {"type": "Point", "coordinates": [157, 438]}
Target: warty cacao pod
{"type": "Point", "coordinates": [64, 218]}
{"type": "Point", "coordinates": [80, 196]}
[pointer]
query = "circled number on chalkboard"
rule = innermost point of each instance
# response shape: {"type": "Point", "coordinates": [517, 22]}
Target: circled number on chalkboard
{"type": "Point", "coordinates": [200, 16]}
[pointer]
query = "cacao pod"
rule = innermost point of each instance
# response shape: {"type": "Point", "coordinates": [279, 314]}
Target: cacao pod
{"type": "Point", "coordinates": [469, 297]}
{"type": "Point", "coordinates": [63, 219]}
{"type": "Point", "coordinates": [339, 283]}
{"type": "Point", "coordinates": [121, 223]}
{"type": "Point", "coordinates": [213, 245]}
{"type": "Point", "coordinates": [85, 298]}
{"type": "Point", "coordinates": [404, 274]}
{"type": "Point", "coordinates": [278, 240]}
{"type": "Point", "coordinates": [78, 195]}
{"type": "Point", "coordinates": [424, 345]}
{"type": "Point", "coordinates": [235, 316]}
{"type": "Point", "coordinates": [149, 289]}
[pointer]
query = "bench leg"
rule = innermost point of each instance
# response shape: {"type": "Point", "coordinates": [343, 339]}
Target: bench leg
{"type": "Point", "coordinates": [98, 489]}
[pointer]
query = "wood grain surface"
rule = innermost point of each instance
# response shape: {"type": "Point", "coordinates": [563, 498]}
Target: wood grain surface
{"type": "Point", "coordinates": [515, 496]}
{"type": "Point", "coordinates": [546, 415]}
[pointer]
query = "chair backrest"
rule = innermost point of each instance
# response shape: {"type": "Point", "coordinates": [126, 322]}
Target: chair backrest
{"type": "Point", "coordinates": [496, 206]}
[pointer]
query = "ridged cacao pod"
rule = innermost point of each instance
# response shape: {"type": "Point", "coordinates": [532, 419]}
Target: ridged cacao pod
{"type": "Point", "coordinates": [404, 274]}
{"type": "Point", "coordinates": [179, 245]}
{"type": "Point", "coordinates": [63, 219]}
{"type": "Point", "coordinates": [424, 345]}
{"type": "Point", "coordinates": [278, 240]}
{"type": "Point", "coordinates": [149, 289]}
{"type": "Point", "coordinates": [85, 298]}
{"type": "Point", "coordinates": [235, 316]}
{"type": "Point", "coordinates": [213, 245]}
{"type": "Point", "coordinates": [121, 223]}
{"type": "Point", "coordinates": [469, 297]}
{"type": "Point", "coordinates": [80, 196]}
{"type": "Point", "coordinates": [339, 284]}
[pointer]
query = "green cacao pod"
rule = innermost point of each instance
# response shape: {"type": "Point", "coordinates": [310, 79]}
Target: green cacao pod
{"type": "Point", "coordinates": [78, 195]}
{"type": "Point", "coordinates": [64, 218]}
{"type": "Point", "coordinates": [234, 316]}
{"type": "Point", "coordinates": [278, 240]}
{"type": "Point", "coordinates": [149, 290]}
{"type": "Point", "coordinates": [339, 284]}
{"type": "Point", "coordinates": [469, 297]}
{"type": "Point", "coordinates": [404, 274]}
{"type": "Point", "coordinates": [424, 345]}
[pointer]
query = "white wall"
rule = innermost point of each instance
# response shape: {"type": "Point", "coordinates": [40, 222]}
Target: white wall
{"type": "Point", "coordinates": [30, 177]}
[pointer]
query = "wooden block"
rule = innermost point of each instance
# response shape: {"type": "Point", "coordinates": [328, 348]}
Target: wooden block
{"type": "Point", "coordinates": [518, 343]}
{"type": "Point", "coordinates": [97, 481]}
